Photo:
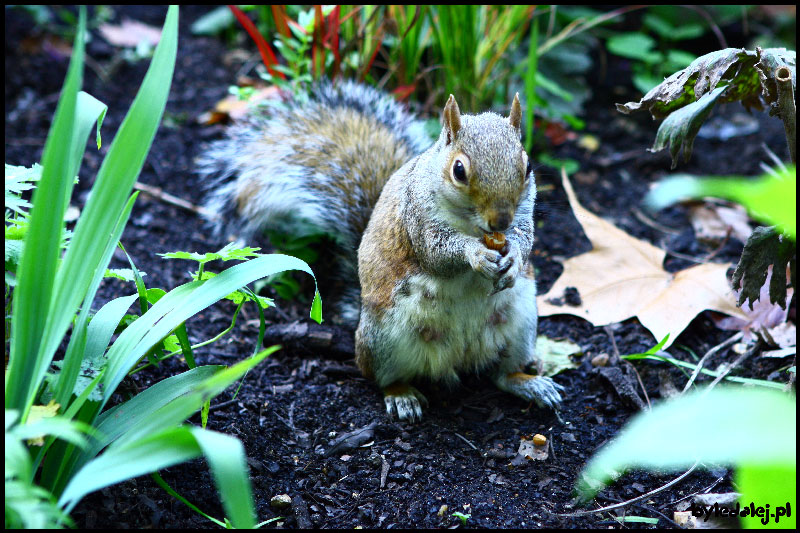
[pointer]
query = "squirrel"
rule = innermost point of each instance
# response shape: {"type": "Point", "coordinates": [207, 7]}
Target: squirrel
{"type": "Point", "coordinates": [427, 296]}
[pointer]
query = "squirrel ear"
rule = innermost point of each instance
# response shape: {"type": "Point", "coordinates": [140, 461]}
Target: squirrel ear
{"type": "Point", "coordinates": [515, 118]}
{"type": "Point", "coordinates": [452, 118]}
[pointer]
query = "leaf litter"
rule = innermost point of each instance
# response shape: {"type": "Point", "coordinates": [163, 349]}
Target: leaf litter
{"type": "Point", "coordinates": [623, 277]}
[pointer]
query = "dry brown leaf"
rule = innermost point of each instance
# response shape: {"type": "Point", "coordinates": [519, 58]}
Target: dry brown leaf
{"type": "Point", "coordinates": [234, 108]}
{"type": "Point", "coordinates": [130, 33]}
{"type": "Point", "coordinates": [623, 277]}
{"type": "Point", "coordinates": [713, 222]}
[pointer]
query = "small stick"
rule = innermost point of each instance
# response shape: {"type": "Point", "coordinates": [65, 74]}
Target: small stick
{"type": "Point", "coordinates": [159, 194]}
{"type": "Point", "coordinates": [634, 500]}
{"type": "Point", "coordinates": [733, 365]}
{"type": "Point", "coordinates": [466, 440]}
{"type": "Point", "coordinates": [787, 109]}
{"type": "Point", "coordinates": [708, 354]}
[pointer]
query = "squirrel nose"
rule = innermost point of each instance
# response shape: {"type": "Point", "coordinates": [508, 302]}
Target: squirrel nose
{"type": "Point", "coordinates": [500, 222]}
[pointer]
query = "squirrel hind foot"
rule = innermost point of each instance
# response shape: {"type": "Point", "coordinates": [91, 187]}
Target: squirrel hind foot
{"type": "Point", "coordinates": [404, 401]}
{"type": "Point", "coordinates": [540, 389]}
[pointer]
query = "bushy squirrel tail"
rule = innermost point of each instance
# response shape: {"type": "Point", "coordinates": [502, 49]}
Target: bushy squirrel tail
{"type": "Point", "coordinates": [311, 166]}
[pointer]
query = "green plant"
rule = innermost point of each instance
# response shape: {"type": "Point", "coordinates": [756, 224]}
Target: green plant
{"type": "Point", "coordinates": [753, 430]}
{"type": "Point", "coordinates": [463, 517]}
{"type": "Point", "coordinates": [62, 441]}
{"type": "Point", "coordinates": [755, 78]}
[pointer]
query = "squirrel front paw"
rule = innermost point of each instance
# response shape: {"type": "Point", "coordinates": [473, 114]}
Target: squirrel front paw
{"type": "Point", "coordinates": [510, 267]}
{"type": "Point", "coordinates": [540, 389]}
{"type": "Point", "coordinates": [484, 261]}
{"type": "Point", "coordinates": [404, 401]}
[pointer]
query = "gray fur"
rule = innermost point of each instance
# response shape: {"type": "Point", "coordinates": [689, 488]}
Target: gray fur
{"type": "Point", "coordinates": [291, 197]}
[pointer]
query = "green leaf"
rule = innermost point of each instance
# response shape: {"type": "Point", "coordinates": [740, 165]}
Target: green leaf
{"type": "Point", "coordinates": [775, 485]}
{"type": "Point", "coordinates": [632, 45]}
{"type": "Point", "coordinates": [37, 269]}
{"type": "Point", "coordinates": [185, 301]}
{"type": "Point", "coordinates": [214, 22]}
{"type": "Point", "coordinates": [18, 180]}
{"type": "Point", "coordinates": [228, 253]}
{"type": "Point", "coordinates": [150, 453]}
{"type": "Point", "coordinates": [771, 198]}
{"type": "Point", "coordinates": [680, 128]}
{"type": "Point", "coordinates": [748, 74]}
{"type": "Point", "coordinates": [716, 426]}
{"type": "Point", "coordinates": [226, 457]}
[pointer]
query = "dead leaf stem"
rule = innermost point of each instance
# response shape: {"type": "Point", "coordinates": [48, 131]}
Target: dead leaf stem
{"type": "Point", "coordinates": [633, 500]}
{"type": "Point", "coordinates": [787, 109]}
{"type": "Point", "coordinates": [708, 354]}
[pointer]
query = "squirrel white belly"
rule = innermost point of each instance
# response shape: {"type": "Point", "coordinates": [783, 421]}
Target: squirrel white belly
{"type": "Point", "coordinates": [429, 297]}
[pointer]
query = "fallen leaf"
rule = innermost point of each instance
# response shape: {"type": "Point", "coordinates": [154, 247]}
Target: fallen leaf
{"type": "Point", "coordinates": [713, 222]}
{"type": "Point", "coordinates": [763, 318]}
{"type": "Point", "coordinates": [554, 356]}
{"type": "Point", "coordinates": [687, 97]}
{"type": "Point", "coordinates": [529, 451]}
{"type": "Point", "coordinates": [234, 108]}
{"type": "Point", "coordinates": [623, 277]}
{"type": "Point", "coordinates": [130, 33]}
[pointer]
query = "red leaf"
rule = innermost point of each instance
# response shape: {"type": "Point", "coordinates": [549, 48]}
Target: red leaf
{"type": "Point", "coordinates": [267, 55]}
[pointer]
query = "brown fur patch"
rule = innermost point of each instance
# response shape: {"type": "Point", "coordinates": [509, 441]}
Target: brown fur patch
{"type": "Point", "coordinates": [429, 334]}
{"type": "Point", "coordinates": [520, 377]}
{"type": "Point", "coordinates": [364, 357]}
{"type": "Point", "coordinates": [246, 192]}
{"type": "Point", "coordinates": [397, 389]}
{"type": "Point", "coordinates": [359, 154]}
{"type": "Point", "coordinates": [498, 317]}
{"type": "Point", "coordinates": [385, 257]}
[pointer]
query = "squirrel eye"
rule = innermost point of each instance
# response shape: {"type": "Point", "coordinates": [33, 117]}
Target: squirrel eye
{"type": "Point", "coordinates": [459, 173]}
{"type": "Point", "coordinates": [529, 169]}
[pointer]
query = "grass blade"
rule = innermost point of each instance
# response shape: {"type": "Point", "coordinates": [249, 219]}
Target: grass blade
{"type": "Point", "coordinates": [115, 179]}
{"type": "Point", "coordinates": [37, 269]}
{"type": "Point", "coordinates": [226, 457]}
{"type": "Point", "coordinates": [183, 302]}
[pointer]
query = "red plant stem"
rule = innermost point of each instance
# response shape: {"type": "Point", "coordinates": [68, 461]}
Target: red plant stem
{"type": "Point", "coordinates": [279, 14]}
{"type": "Point", "coordinates": [333, 38]}
{"type": "Point", "coordinates": [267, 55]}
{"type": "Point", "coordinates": [317, 46]}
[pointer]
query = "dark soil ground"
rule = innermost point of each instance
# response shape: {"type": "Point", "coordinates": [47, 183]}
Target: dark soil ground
{"type": "Point", "coordinates": [294, 405]}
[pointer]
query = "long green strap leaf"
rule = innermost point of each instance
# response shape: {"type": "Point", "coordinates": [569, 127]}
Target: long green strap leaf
{"type": "Point", "coordinates": [224, 453]}
{"type": "Point", "coordinates": [37, 269]}
{"type": "Point", "coordinates": [153, 452]}
{"type": "Point", "coordinates": [82, 346]}
{"type": "Point", "coordinates": [182, 303]}
{"type": "Point", "coordinates": [124, 417]}
{"type": "Point", "coordinates": [226, 457]}
{"type": "Point", "coordinates": [115, 179]}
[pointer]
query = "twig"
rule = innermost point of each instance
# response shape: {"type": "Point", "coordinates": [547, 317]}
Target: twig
{"type": "Point", "coordinates": [708, 354]}
{"type": "Point", "coordinates": [634, 500]}
{"type": "Point", "coordinates": [695, 493]}
{"type": "Point", "coordinates": [644, 219]}
{"type": "Point", "coordinates": [159, 194]}
{"type": "Point", "coordinates": [733, 365]}
{"type": "Point", "coordinates": [787, 109]}
{"type": "Point", "coordinates": [466, 440]}
{"type": "Point", "coordinates": [722, 244]}
{"type": "Point", "coordinates": [693, 259]}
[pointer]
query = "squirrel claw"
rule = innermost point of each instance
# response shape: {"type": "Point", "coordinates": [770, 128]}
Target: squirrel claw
{"type": "Point", "coordinates": [404, 401]}
{"type": "Point", "coordinates": [540, 389]}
